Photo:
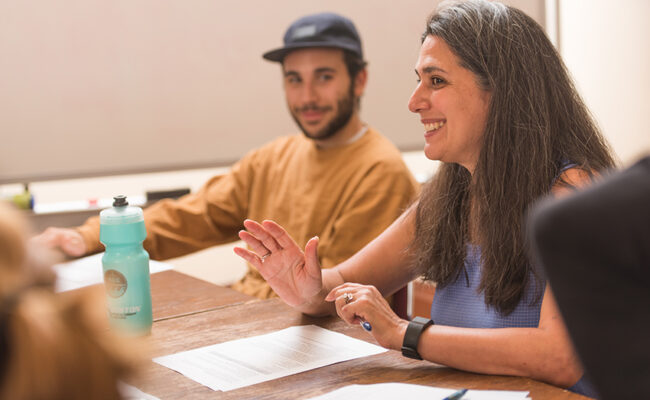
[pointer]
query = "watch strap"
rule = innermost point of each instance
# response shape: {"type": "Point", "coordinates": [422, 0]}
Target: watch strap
{"type": "Point", "coordinates": [413, 332]}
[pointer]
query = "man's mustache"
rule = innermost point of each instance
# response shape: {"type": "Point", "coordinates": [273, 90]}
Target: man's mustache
{"type": "Point", "coordinates": [312, 107]}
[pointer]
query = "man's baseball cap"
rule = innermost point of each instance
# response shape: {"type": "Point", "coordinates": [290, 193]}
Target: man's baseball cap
{"type": "Point", "coordinates": [319, 30]}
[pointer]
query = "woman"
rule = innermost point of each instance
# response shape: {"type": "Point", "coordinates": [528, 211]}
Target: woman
{"type": "Point", "coordinates": [52, 346]}
{"type": "Point", "coordinates": [501, 113]}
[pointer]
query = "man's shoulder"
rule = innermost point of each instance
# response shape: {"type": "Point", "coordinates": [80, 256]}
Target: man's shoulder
{"type": "Point", "coordinates": [377, 148]}
{"type": "Point", "coordinates": [378, 139]}
{"type": "Point", "coordinates": [379, 162]}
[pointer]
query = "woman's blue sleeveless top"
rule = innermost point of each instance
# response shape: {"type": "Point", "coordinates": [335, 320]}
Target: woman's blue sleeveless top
{"type": "Point", "coordinates": [459, 304]}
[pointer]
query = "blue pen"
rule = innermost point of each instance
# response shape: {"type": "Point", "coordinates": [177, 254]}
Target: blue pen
{"type": "Point", "coordinates": [366, 325]}
{"type": "Point", "coordinates": [456, 395]}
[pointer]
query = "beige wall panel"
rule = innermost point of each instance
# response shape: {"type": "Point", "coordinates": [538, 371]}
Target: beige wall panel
{"type": "Point", "coordinates": [91, 87]}
{"type": "Point", "coordinates": [606, 46]}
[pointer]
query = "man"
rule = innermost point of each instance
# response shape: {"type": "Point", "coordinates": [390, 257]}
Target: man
{"type": "Point", "coordinates": [340, 180]}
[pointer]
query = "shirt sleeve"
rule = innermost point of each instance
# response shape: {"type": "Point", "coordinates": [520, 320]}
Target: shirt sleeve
{"type": "Point", "coordinates": [213, 215]}
{"type": "Point", "coordinates": [380, 198]}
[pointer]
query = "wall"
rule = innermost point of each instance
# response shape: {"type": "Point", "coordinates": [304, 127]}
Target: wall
{"type": "Point", "coordinates": [606, 46]}
{"type": "Point", "coordinates": [95, 87]}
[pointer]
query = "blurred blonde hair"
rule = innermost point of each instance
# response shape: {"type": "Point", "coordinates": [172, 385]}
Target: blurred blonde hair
{"type": "Point", "coordinates": [53, 346]}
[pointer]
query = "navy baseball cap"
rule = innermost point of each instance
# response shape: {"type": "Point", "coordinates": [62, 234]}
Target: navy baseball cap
{"type": "Point", "coordinates": [319, 30]}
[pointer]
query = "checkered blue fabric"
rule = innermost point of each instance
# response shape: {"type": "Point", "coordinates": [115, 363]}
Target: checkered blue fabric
{"type": "Point", "coordinates": [459, 303]}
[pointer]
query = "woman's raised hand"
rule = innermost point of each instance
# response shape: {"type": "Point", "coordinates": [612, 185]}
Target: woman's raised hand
{"type": "Point", "coordinates": [295, 276]}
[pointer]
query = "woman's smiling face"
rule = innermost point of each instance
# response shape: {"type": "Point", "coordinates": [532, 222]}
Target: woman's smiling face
{"type": "Point", "coordinates": [452, 106]}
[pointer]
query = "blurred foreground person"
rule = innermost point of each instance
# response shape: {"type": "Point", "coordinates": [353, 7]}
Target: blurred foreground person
{"type": "Point", "coordinates": [595, 249]}
{"type": "Point", "coordinates": [52, 346]}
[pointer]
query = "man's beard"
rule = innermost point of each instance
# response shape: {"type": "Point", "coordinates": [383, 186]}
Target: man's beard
{"type": "Point", "coordinates": [345, 110]}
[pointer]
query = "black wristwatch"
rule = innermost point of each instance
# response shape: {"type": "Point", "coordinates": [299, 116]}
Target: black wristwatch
{"type": "Point", "coordinates": [412, 335]}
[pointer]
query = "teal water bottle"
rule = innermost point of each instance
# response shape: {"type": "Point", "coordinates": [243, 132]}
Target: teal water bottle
{"type": "Point", "coordinates": [126, 268]}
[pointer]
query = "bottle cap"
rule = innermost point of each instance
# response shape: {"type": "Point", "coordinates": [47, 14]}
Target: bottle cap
{"type": "Point", "coordinates": [120, 201]}
{"type": "Point", "coordinates": [121, 213]}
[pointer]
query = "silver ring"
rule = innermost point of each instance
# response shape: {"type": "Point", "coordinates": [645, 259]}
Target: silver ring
{"type": "Point", "coordinates": [266, 255]}
{"type": "Point", "coordinates": [348, 298]}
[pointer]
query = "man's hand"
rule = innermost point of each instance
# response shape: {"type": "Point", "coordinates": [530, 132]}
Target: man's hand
{"type": "Point", "coordinates": [69, 241]}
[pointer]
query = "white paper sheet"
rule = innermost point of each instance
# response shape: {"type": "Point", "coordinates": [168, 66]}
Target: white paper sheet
{"type": "Point", "coordinates": [129, 392]}
{"type": "Point", "coordinates": [391, 391]}
{"type": "Point", "coordinates": [87, 271]}
{"type": "Point", "coordinates": [244, 362]}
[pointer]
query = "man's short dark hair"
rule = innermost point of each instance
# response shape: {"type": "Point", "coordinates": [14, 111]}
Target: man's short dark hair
{"type": "Point", "coordinates": [353, 63]}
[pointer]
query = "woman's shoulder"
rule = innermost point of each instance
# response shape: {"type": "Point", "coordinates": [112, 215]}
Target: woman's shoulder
{"type": "Point", "coordinates": [571, 179]}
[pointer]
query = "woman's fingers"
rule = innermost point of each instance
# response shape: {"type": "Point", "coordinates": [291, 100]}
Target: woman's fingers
{"type": "Point", "coordinates": [312, 264]}
{"type": "Point", "coordinates": [342, 307]}
{"type": "Point", "coordinates": [351, 301]}
{"type": "Point", "coordinates": [280, 236]}
{"type": "Point", "coordinates": [255, 245]}
{"type": "Point", "coordinates": [249, 256]}
{"type": "Point", "coordinates": [341, 289]}
{"type": "Point", "coordinates": [364, 304]}
{"type": "Point", "coordinates": [262, 235]}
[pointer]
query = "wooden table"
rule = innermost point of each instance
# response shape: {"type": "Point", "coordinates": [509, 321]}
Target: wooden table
{"type": "Point", "coordinates": [174, 294]}
{"type": "Point", "coordinates": [245, 319]}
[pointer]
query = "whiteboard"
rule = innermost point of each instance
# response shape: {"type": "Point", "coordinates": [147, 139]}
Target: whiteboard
{"type": "Point", "coordinates": [104, 87]}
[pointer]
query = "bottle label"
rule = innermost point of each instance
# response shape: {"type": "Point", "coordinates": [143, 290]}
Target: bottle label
{"type": "Point", "coordinates": [115, 283]}
{"type": "Point", "coordinates": [123, 312]}
{"type": "Point", "coordinates": [128, 291]}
